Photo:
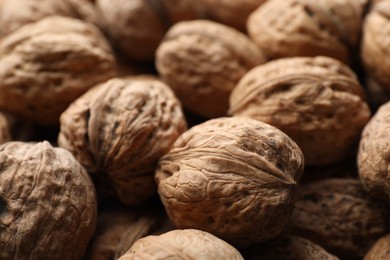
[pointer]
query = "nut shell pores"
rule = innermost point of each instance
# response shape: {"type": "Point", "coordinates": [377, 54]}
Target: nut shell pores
{"type": "Point", "coordinates": [232, 177]}
{"type": "Point", "coordinates": [182, 244]}
{"type": "Point", "coordinates": [47, 203]}
{"type": "Point", "coordinates": [119, 130]}
{"type": "Point", "coordinates": [373, 154]}
{"type": "Point", "coordinates": [45, 65]}
{"type": "Point", "coordinates": [317, 101]}
{"type": "Point", "coordinates": [202, 61]}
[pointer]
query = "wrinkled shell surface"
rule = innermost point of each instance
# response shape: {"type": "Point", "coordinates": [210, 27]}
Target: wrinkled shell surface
{"type": "Point", "coordinates": [232, 177]}
{"type": "Point", "coordinates": [374, 154]}
{"type": "Point", "coordinates": [288, 247]}
{"type": "Point", "coordinates": [340, 216]}
{"type": "Point", "coordinates": [286, 28]}
{"type": "Point", "coordinates": [5, 131]}
{"type": "Point", "coordinates": [318, 102]}
{"type": "Point", "coordinates": [182, 244]}
{"type": "Point", "coordinates": [45, 65]}
{"type": "Point", "coordinates": [202, 61]}
{"type": "Point", "coordinates": [119, 130]}
{"type": "Point", "coordinates": [375, 43]}
{"type": "Point", "coordinates": [15, 14]}
{"type": "Point", "coordinates": [380, 250]}
{"type": "Point", "coordinates": [230, 12]}
{"type": "Point", "coordinates": [47, 203]}
{"type": "Point", "coordinates": [136, 27]}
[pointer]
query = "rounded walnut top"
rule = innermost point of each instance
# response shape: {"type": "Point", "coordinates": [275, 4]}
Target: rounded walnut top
{"type": "Point", "coordinates": [380, 250]}
{"type": "Point", "coordinates": [119, 130]}
{"type": "Point", "coordinates": [232, 177]}
{"type": "Point", "coordinates": [317, 101]}
{"type": "Point", "coordinates": [47, 203]}
{"type": "Point", "coordinates": [202, 61]}
{"type": "Point", "coordinates": [45, 65]}
{"type": "Point", "coordinates": [182, 244]}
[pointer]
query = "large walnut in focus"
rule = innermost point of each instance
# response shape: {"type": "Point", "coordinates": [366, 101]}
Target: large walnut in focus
{"type": "Point", "coordinates": [380, 250]}
{"type": "Point", "coordinates": [182, 244]}
{"type": "Point", "coordinates": [119, 130]}
{"type": "Point", "coordinates": [287, 28]}
{"type": "Point", "coordinates": [340, 216]}
{"type": "Point", "coordinates": [317, 101]}
{"type": "Point", "coordinates": [232, 177]}
{"type": "Point", "coordinates": [47, 203]}
{"type": "Point", "coordinates": [45, 65]}
{"type": "Point", "coordinates": [136, 27]}
{"type": "Point", "coordinates": [373, 155]}
{"type": "Point", "coordinates": [15, 14]}
{"type": "Point", "coordinates": [288, 247]}
{"type": "Point", "coordinates": [202, 61]}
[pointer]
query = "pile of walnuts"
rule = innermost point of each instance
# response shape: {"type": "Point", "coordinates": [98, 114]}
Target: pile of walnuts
{"type": "Point", "coordinates": [210, 129]}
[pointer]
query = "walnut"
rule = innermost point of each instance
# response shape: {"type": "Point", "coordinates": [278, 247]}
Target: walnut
{"type": "Point", "coordinates": [373, 154]}
{"type": "Point", "coordinates": [5, 131]}
{"type": "Point", "coordinates": [202, 61]}
{"type": "Point", "coordinates": [119, 130]}
{"type": "Point", "coordinates": [232, 177]}
{"type": "Point", "coordinates": [47, 203]}
{"type": "Point", "coordinates": [45, 65]}
{"type": "Point", "coordinates": [380, 250]}
{"type": "Point", "coordinates": [340, 216]}
{"type": "Point", "coordinates": [375, 43]}
{"type": "Point", "coordinates": [15, 14]}
{"type": "Point", "coordinates": [136, 27]}
{"type": "Point", "coordinates": [231, 12]}
{"type": "Point", "coordinates": [317, 101]}
{"type": "Point", "coordinates": [286, 28]}
{"type": "Point", "coordinates": [182, 244]}
{"type": "Point", "coordinates": [288, 247]}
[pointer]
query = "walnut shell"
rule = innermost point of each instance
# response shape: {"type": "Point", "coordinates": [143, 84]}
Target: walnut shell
{"type": "Point", "coordinates": [317, 101]}
{"type": "Point", "coordinates": [182, 244]}
{"type": "Point", "coordinates": [230, 12]}
{"type": "Point", "coordinates": [119, 130]}
{"type": "Point", "coordinates": [15, 14]}
{"type": "Point", "coordinates": [286, 28]}
{"type": "Point", "coordinates": [232, 177]}
{"type": "Point", "coordinates": [373, 154]}
{"type": "Point", "coordinates": [288, 247]}
{"type": "Point", "coordinates": [136, 27]}
{"type": "Point", "coordinates": [5, 131]}
{"type": "Point", "coordinates": [380, 250]}
{"type": "Point", "coordinates": [45, 65]}
{"type": "Point", "coordinates": [202, 61]}
{"type": "Point", "coordinates": [340, 216]}
{"type": "Point", "coordinates": [375, 42]}
{"type": "Point", "coordinates": [47, 203]}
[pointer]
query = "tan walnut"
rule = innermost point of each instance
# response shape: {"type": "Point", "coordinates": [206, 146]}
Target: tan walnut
{"type": "Point", "coordinates": [202, 61]}
{"type": "Point", "coordinates": [182, 244]}
{"type": "Point", "coordinates": [232, 177]}
{"type": "Point", "coordinates": [136, 27]}
{"type": "Point", "coordinates": [373, 154]}
{"type": "Point", "coordinates": [317, 101]}
{"type": "Point", "coordinates": [340, 216]}
{"type": "Point", "coordinates": [287, 28]}
{"type": "Point", "coordinates": [380, 250]}
{"type": "Point", "coordinates": [45, 65]}
{"type": "Point", "coordinates": [47, 203]}
{"type": "Point", "coordinates": [119, 130]}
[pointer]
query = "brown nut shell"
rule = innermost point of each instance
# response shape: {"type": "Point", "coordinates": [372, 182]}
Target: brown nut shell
{"type": "Point", "coordinates": [232, 177]}
{"type": "Point", "coordinates": [380, 250]}
{"type": "Point", "coordinates": [340, 216]}
{"type": "Point", "coordinates": [317, 101]}
{"type": "Point", "coordinates": [373, 154]}
{"type": "Point", "coordinates": [119, 130]}
{"type": "Point", "coordinates": [202, 61]}
{"type": "Point", "coordinates": [47, 203]}
{"type": "Point", "coordinates": [5, 130]}
{"type": "Point", "coordinates": [45, 65]}
{"type": "Point", "coordinates": [287, 28]}
{"type": "Point", "coordinates": [288, 247]}
{"type": "Point", "coordinates": [182, 244]}
{"type": "Point", "coordinates": [136, 27]}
